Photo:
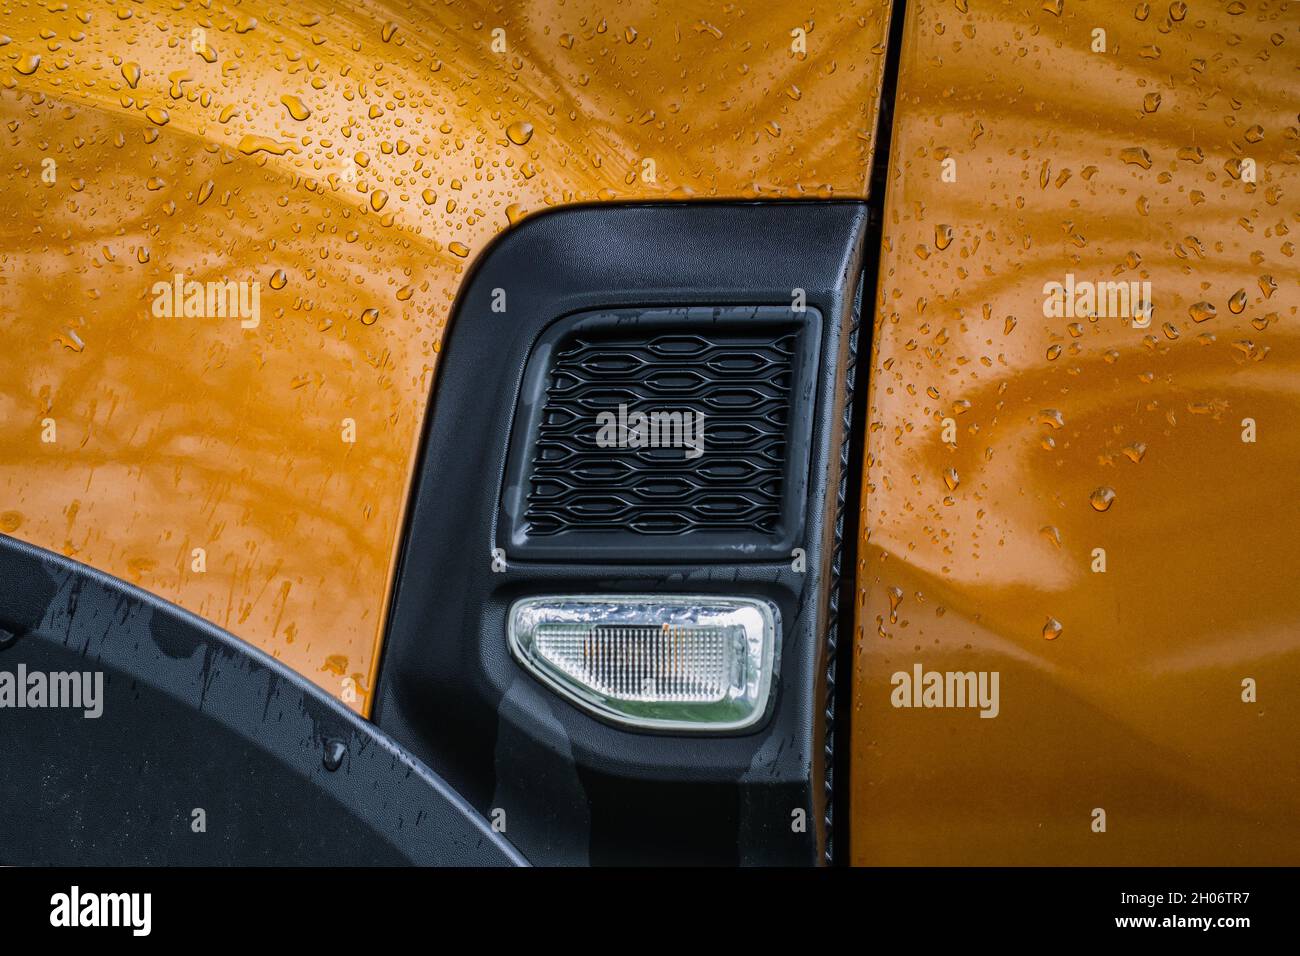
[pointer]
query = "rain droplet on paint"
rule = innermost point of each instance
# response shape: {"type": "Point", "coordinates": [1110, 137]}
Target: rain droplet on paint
{"type": "Point", "coordinates": [895, 599]}
{"type": "Point", "coordinates": [296, 107]}
{"type": "Point", "coordinates": [519, 132]}
{"type": "Point", "coordinates": [1052, 629]}
{"type": "Point", "coordinates": [1136, 156]}
{"type": "Point", "coordinates": [1101, 499]}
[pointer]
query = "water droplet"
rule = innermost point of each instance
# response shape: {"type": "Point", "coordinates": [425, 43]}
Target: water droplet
{"type": "Point", "coordinates": [335, 751]}
{"type": "Point", "coordinates": [378, 199]}
{"type": "Point", "coordinates": [519, 132]}
{"type": "Point", "coordinates": [951, 478]}
{"type": "Point", "coordinates": [1102, 498]}
{"type": "Point", "coordinates": [204, 192]}
{"type": "Point", "coordinates": [370, 316]}
{"type": "Point", "coordinates": [1051, 417]}
{"type": "Point", "coordinates": [1051, 533]}
{"type": "Point", "coordinates": [28, 64]}
{"type": "Point", "coordinates": [1052, 629]}
{"type": "Point", "coordinates": [131, 73]}
{"type": "Point", "coordinates": [71, 341]}
{"type": "Point", "coordinates": [1135, 452]}
{"type": "Point", "coordinates": [1202, 311]}
{"type": "Point", "coordinates": [1136, 156]}
{"type": "Point", "coordinates": [1150, 102]}
{"type": "Point", "coordinates": [297, 109]}
{"type": "Point", "coordinates": [1237, 304]}
{"type": "Point", "coordinates": [278, 279]}
{"type": "Point", "coordinates": [157, 115]}
{"type": "Point", "coordinates": [251, 144]}
{"type": "Point", "coordinates": [388, 32]}
{"type": "Point", "coordinates": [895, 599]}
{"type": "Point", "coordinates": [942, 236]}
{"type": "Point", "coordinates": [458, 249]}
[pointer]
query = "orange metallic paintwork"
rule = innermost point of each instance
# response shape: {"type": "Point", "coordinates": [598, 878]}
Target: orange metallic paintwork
{"type": "Point", "coordinates": [1135, 706]}
{"type": "Point", "coordinates": [353, 159]}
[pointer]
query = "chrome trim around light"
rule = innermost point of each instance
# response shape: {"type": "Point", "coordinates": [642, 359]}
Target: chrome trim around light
{"type": "Point", "coordinates": [760, 618]}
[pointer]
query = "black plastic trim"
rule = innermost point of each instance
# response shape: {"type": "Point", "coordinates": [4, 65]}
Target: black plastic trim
{"type": "Point", "coordinates": [843, 636]}
{"type": "Point", "coordinates": [192, 717]}
{"type": "Point", "coordinates": [574, 789]}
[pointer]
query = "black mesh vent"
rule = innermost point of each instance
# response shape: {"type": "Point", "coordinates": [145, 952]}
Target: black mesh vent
{"type": "Point", "coordinates": [740, 380]}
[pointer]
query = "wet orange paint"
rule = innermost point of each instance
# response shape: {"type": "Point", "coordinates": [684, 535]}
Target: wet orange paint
{"type": "Point", "coordinates": [1006, 447]}
{"type": "Point", "coordinates": [351, 161]}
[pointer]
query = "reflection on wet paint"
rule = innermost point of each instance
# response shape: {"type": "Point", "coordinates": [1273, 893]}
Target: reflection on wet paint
{"type": "Point", "coordinates": [345, 165]}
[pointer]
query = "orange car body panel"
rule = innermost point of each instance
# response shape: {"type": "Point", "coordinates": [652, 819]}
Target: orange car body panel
{"type": "Point", "coordinates": [1006, 447]}
{"type": "Point", "coordinates": [353, 160]}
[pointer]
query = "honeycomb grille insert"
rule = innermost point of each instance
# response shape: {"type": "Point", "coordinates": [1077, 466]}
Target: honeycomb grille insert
{"type": "Point", "coordinates": [740, 380]}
